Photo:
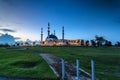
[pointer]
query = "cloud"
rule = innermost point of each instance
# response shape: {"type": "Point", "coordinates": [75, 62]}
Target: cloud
{"type": "Point", "coordinates": [7, 30]}
{"type": "Point", "coordinates": [7, 25]}
{"type": "Point", "coordinates": [6, 38]}
{"type": "Point", "coordinates": [1, 33]}
{"type": "Point", "coordinates": [1, 26]}
{"type": "Point", "coordinates": [17, 38]}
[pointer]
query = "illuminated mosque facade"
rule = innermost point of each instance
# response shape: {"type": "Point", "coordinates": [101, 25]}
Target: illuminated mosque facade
{"type": "Point", "coordinates": [52, 39]}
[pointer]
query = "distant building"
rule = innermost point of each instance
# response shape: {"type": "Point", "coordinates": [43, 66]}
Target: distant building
{"type": "Point", "coordinates": [7, 39]}
{"type": "Point", "coordinates": [52, 39]}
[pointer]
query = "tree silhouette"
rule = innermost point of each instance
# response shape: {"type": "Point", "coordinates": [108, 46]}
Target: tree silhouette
{"type": "Point", "coordinates": [100, 40]}
{"type": "Point", "coordinates": [34, 43]}
{"type": "Point", "coordinates": [117, 44]}
{"type": "Point", "coordinates": [93, 43]}
{"type": "Point", "coordinates": [87, 43]}
{"type": "Point", "coordinates": [17, 44]}
{"type": "Point", "coordinates": [108, 43]}
{"type": "Point", "coordinates": [82, 42]}
{"type": "Point", "coordinates": [26, 43]}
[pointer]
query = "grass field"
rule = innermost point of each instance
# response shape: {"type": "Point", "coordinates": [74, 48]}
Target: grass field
{"type": "Point", "coordinates": [23, 64]}
{"type": "Point", "coordinates": [107, 61]}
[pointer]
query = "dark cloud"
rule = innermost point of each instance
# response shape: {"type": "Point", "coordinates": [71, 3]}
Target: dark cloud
{"type": "Point", "coordinates": [17, 38]}
{"type": "Point", "coordinates": [7, 30]}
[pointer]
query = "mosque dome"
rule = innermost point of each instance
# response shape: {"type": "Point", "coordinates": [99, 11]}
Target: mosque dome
{"type": "Point", "coordinates": [51, 38]}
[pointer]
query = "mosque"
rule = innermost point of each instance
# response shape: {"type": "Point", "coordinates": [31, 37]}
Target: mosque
{"type": "Point", "coordinates": [52, 39]}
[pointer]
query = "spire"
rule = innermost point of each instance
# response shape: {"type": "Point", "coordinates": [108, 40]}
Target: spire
{"type": "Point", "coordinates": [54, 32]}
{"type": "Point", "coordinates": [41, 34]}
{"type": "Point", "coordinates": [63, 33]}
{"type": "Point", "coordinates": [48, 28]}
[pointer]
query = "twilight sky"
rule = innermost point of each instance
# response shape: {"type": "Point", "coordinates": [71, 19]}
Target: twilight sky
{"type": "Point", "coordinates": [82, 19]}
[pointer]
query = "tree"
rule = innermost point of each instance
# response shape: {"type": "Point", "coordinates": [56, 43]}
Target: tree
{"type": "Point", "coordinates": [100, 40]}
{"type": "Point", "coordinates": [67, 42]}
{"type": "Point", "coordinates": [34, 43]}
{"type": "Point", "coordinates": [87, 43]}
{"type": "Point", "coordinates": [26, 44]}
{"type": "Point", "coordinates": [108, 43]}
{"type": "Point", "coordinates": [117, 44]}
{"type": "Point", "coordinates": [82, 42]}
{"type": "Point", "coordinates": [93, 43]}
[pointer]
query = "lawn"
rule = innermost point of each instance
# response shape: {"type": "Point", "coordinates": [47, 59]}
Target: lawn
{"type": "Point", "coordinates": [13, 62]}
{"type": "Point", "coordinates": [23, 64]}
{"type": "Point", "coordinates": [107, 59]}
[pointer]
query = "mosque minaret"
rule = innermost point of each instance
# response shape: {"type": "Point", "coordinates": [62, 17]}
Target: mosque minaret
{"type": "Point", "coordinates": [54, 32]}
{"type": "Point", "coordinates": [48, 28]}
{"type": "Point", "coordinates": [52, 39]}
{"type": "Point", "coordinates": [63, 33]}
{"type": "Point", "coordinates": [41, 34]}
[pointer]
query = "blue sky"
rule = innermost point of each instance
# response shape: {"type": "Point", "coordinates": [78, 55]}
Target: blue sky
{"type": "Point", "coordinates": [82, 19]}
